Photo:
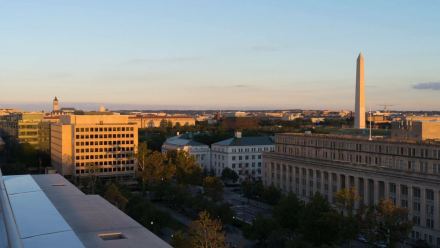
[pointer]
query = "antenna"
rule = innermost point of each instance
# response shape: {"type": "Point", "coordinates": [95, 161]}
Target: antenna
{"type": "Point", "coordinates": [370, 138]}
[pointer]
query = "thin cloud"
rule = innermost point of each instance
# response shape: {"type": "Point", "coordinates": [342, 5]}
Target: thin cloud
{"type": "Point", "coordinates": [263, 48]}
{"type": "Point", "coordinates": [140, 61]}
{"type": "Point", "coordinates": [427, 86]}
{"type": "Point", "coordinates": [240, 86]}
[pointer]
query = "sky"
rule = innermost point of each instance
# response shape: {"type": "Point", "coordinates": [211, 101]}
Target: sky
{"type": "Point", "coordinates": [240, 54]}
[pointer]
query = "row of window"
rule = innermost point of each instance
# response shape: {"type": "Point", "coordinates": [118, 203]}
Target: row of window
{"type": "Point", "coordinates": [102, 163]}
{"type": "Point", "coordinates": [104, 129]}
{"type": "Point", "coordinates": [105, 142]}
{"type": "Point", "coordinates": [105, 136]}
{"type": "Point", "coordinates": [392, 149]}
{"type": "Point", "coordinates": [105, 149]}
{"type": "Point", "coordinates": [104, 170]}
{"type": "Point", "coordinates": [241, 150]}
{"type": "Point", "coordinates": [345, 156]}
{"type": "Point", "coordinates": [104, 156]}
{"type": "Point", "coordinates": [245, 165]}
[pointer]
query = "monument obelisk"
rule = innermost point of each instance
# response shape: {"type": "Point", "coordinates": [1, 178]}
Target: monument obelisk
{"type": "Point", "coordinates": [359, 116]}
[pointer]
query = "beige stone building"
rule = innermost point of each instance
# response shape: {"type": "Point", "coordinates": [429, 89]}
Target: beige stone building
{"type": "Point", "coordinates": [105, 143]}
{"type": "Point", "coordinates": [416, 130]}
{"type": "Point", "coordinates": [407, 172]}
{"type": "Point", "coordinates": [148, 121]}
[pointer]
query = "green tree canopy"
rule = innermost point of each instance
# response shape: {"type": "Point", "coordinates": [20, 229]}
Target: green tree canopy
{"type": "Point", "coordinates": [288, 211]}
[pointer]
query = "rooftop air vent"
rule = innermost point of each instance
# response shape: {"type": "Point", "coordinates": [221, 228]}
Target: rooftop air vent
{"type": "Point", "coordinates": [111, 236]}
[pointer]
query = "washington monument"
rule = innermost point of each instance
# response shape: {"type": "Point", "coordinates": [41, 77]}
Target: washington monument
{"type": "Point", "coordinates": [359, 116]}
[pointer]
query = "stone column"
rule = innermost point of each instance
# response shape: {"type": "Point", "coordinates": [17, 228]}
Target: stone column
{"type": "Point", "coordinates": [366, 192]}
{"type": "Point", "coordinates": [386, 187]}
{"type": "Point", "coordinates": [376, 191]}
{"type": "Point", "coordinates": [436, 210]}
{"type": "Point", "coordinates": [422, 206]}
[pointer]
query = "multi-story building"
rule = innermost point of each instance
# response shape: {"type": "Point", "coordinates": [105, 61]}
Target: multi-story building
{"type": "Point", "coordinates": [417, 130]}
{"type": "Point", "coordinates": [149, 121]}
{"type": "Point", "coordinates": [406, 172]}
{"type": "Point", "coordinates": [241, 154]}
{"type": "Point", "coordinates": [27, 127]}
{"type": "Point", "coordinates": [101, 144]}
{"type": "Point", "coordinates": [201, 152]}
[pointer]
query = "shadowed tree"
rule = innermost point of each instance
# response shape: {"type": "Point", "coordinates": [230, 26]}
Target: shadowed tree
{"type": "Point", "coordinates": [229, 175]}
{"type": "Point", "coordinates": [141, 155]}
{"type": "Point", "coordinates": [316, 219]}
{"type": "Point", "coordinates": [346, 199]}
{"type": "Point", "coordinates": [187, 169]}
{"type": "Point", "coordinates": [387, 222]}
{"type": "Point", "coordinates": [206, 233]}
{"type": "Point", "coordinates": [288, 211]}
{"type": "Point", "coordinates": [115, 197]}
{"type": "Point", "coordinates": [213, 188]}
{"type": "Point", "coordinates": [179, 240]}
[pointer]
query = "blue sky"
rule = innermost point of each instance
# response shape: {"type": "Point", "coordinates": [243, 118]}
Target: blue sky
{"type": "Point", "coordinates": [219, 54]}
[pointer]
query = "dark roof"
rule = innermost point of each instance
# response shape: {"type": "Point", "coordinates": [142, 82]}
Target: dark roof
{"type": "Point", "coordinates": [247, 141]}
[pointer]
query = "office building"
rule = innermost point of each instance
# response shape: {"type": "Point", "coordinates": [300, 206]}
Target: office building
{"type": "Point", "coordinates": [404, 171]}
{"type": "Point", "coordinates": [101, 144]}
{"type": "Point", "coordinates": [241, 154]}
{"type": "Point", "coordinates": [27, 127]}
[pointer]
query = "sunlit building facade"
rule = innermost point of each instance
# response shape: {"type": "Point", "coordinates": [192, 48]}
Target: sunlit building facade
{"type": "Point", "coordinates": [104, 145]}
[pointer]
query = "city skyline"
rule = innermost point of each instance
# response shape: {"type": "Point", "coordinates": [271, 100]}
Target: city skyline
{"type": "Point", "coordinates": [248, 55]}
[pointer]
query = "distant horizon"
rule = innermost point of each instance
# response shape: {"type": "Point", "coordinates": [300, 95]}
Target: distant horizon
{"type": "Point", "coordinates": [91, 106]}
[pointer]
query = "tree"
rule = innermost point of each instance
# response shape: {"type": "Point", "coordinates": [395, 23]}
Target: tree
{"type": "Point", "coordinates": [252, 189]}
{"type": "Point", "coordinates": [155, 170]}
{"type": "Point", "coordinates": [261, 228]}
{"type": "Point", "coordinates": [213, 188]}
{"type": "Point", "coordinates": [229, 175]}
{"type": "Point", "coordinates": [206, 233]}
{"type": "Point", "coordinates": [271, 195]}
{"type": "Point", "coordinates": [320, 224]}
{"type": "Point", "coordinates": [115, 197]}
{"type": "Point", "coordinates": [386, 222]}
{"type": "Point", "coordinates": [141, 155]}
{"type": "Point", "coordinates": [179, 240]}
{"type": "Point", "coordinates": [345, 200]}
{"type": "Point", "coordinates": [187, 169]}
{"type": "Point", "coordinates": [288, 211]}
{"type": "Point", "coordinates": [90, 169]}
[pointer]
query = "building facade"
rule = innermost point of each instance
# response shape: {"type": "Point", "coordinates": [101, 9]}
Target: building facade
{"type": "Point", "coordinates": [408, 173]}
{"type": "Point", "coordinates": [27, 127]}
{"type": "Point", "coordinates": [101, 144]}
{"type": "Point", "coordinates": [150, 121]}
{"type": "Point", "coordinates": [201, 152]}
{"type": "Point", "coordinates": [241, 154]}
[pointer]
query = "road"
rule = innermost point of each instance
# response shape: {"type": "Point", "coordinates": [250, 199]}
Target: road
{"type": "Point", "coordinates": [246, 209]}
